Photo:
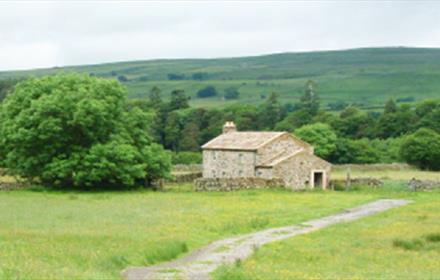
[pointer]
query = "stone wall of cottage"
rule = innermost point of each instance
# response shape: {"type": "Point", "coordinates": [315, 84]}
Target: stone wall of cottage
{"type": "Point", "coordinates": [228, 164]}
{"type": "Point", "coordinates": [280, 146]}
{"type": "Point", "coordinates": [296, 172]}
{"type": "Point", "coordinates": [263, 172]}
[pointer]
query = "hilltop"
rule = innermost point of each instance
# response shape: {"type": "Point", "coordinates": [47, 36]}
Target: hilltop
{"type": "Point", "coordinates": [367, 76]}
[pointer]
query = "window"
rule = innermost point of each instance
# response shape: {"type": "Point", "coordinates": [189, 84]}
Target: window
{"type": "Point", "coordinates": [214, 155]}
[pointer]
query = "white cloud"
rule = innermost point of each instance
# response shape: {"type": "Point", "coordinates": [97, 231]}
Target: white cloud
{"type": "Point", "coordinates": [41, 34]}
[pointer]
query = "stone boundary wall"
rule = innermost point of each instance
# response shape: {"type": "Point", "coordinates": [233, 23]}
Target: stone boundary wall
{"type": "Point", "coordinates": [340, 184]}
{"type": "Point", "coordinates": [11, 186]}
{"type": "Point", "coordinates": [232, 184]}
{"type": "Point", "coordinates": [185, 177]}
{"type": "Point", "coordinates": [372, 167]}
{"type": "Point", "coordinates": [416, 185]}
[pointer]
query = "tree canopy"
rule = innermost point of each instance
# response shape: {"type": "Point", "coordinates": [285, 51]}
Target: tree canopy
{"type": "Point", "coordinates": [422, 149]}
{"type": "Point", "coordinates": [320, 136]}
{"type": "Point", "coordinates": [75, 131]}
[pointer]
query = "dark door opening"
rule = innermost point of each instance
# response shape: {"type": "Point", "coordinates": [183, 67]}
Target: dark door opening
{"type": "Point", "coordinates": [318, 177]}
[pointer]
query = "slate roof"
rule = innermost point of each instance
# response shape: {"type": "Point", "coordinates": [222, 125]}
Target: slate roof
{"type": "Point", "coordinates": [242, 140]}
{"type": "Point", "coordinates": [280, 158]}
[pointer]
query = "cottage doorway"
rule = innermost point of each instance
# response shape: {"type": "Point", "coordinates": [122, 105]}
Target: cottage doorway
{"type": "Point", "coordinates": [318, 179]}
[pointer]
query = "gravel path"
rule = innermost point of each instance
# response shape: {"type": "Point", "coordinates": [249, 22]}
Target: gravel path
{"type": "Point", "coordinates": [200, 263]}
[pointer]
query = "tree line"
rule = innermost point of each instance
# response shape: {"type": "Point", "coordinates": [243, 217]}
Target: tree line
{"type": "Point", "coordinates": [81, 131]}
{"type": "Point", "coordinates": [349, 136]}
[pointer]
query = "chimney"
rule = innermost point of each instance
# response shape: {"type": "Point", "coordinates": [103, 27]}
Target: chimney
{"type": "Point", "coordinates": [229, 127]}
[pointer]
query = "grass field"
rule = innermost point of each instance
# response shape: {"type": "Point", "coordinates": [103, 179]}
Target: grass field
{"type": "Point", "coordinates": [402, 243]}
{"type": "Point", "coordinates": [52, 235]}
{"type": "Point", "coordinates": [370, 76]}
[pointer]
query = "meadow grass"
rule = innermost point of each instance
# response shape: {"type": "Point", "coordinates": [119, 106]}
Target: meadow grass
{"type": "Point", "coordinates": [77, 235]}
{"type": "Point", "coordinates": [402, 243]}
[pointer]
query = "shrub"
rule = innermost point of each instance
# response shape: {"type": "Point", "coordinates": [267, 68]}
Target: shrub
{"type": "Point", "coordinates": [198, 76]}
{"type": "Point", "coordinates": [122, 78]}
{"type": "Point", "coordinates": [72, 131]}
{"type": "Point", "coordinates": [208, 91]}
{"type": "Point", "coordinates": [422, 149]}
{"type": "Point", "coordinates": [175, 77]}
{"type": "Point", "coordinates": [187, 158]}
{"type": "Point", "coordinates": [231, 93]}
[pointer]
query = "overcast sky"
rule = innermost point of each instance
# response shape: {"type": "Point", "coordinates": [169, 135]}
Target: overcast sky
{"type": "Point", "coordinates": [37, 34]}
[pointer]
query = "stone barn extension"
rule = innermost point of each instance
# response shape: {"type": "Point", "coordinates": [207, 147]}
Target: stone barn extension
{"type": "Point", "coordinates": [266, 155]}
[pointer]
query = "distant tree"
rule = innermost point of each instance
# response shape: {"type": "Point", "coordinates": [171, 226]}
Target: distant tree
{"type": "Point", "coordinates": [270, 112]}
{"type": "Point", "coordinates": [199, 76]}
{"type": "Point", "coordinates": [431, 120]}
{"type": "Point", "coordinates": [7, 86]}
{"type": "Point", "coordinates": [422, 149]}
{"type": "Point", "coordinates": [208, 91]}
{"type": "Point", "coordinates": [337, 105]}
{"type": "Point", "coordinates": [173, 131]}
{"type": "Point", "coordinates": [309, 102]}
{"type": "Point", "coordinates": [175, 77]}
{"type": "Point", "coordinates": [231, 93]}
{"type": "Point", "coordinates": [187, 158]}
{"type": "Point", "coordinates": [390, 107]}
{"type": "Point", "coordinates": [122, 78]}
{"type": "Point", "coordinates": [320, 136]}
{"type": "Point", "coordinates": [190, 136]}
{"type": "Point", "coordinates": [354, 151]}
{"type": "Point", "coordinates": [305, 110]}
{"type": "Point", "coordinates": [74, 131]}
{"type": "Point", "coordinates": [179, 100]}
{"type": "Point", "coordinates": [154, 96]}
{"type": "Point", "coordinates": [288, 108]}
{"type": "Point", "coordinates": [395, 122]}
{"type": "Point", "coordinates": [113, 73]}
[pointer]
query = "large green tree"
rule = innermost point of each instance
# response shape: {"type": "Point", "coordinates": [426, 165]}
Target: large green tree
{"type": "Point", "coordinates": [75, 131]}
{"type": "Point", "coordinates": [422, 149]}
{"type": "Point", "coordinates": [320, 136]}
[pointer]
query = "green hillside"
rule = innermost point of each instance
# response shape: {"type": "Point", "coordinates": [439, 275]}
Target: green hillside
{"type": "Point", "coordinates": [368, 76]}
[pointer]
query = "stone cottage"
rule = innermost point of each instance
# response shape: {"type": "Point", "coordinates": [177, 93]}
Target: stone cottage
{"type": "Point", "coordinates": [267, 155]}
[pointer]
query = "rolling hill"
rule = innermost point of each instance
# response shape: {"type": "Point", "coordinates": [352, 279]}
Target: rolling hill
{"type": "Point", "coordinates": [368, 76]}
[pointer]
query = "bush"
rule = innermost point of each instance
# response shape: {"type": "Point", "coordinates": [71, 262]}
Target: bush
{"type": "Point", "coordinates": [122, 78]}
{"type": "Point", "coordinates": [175, 77]}
{"type": "Point", "coordinates": [198, 76]}
{"type": "Point", "coordinates": [187, 158]}
{"type": "Point", "coordinates": [422, 149]}
{"type": "Point", "coordinates": [208, 91]}
{"type": "Point", "coordinates": [231, 93]}
{"type": "Point", "coordinates": [72, 131]}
